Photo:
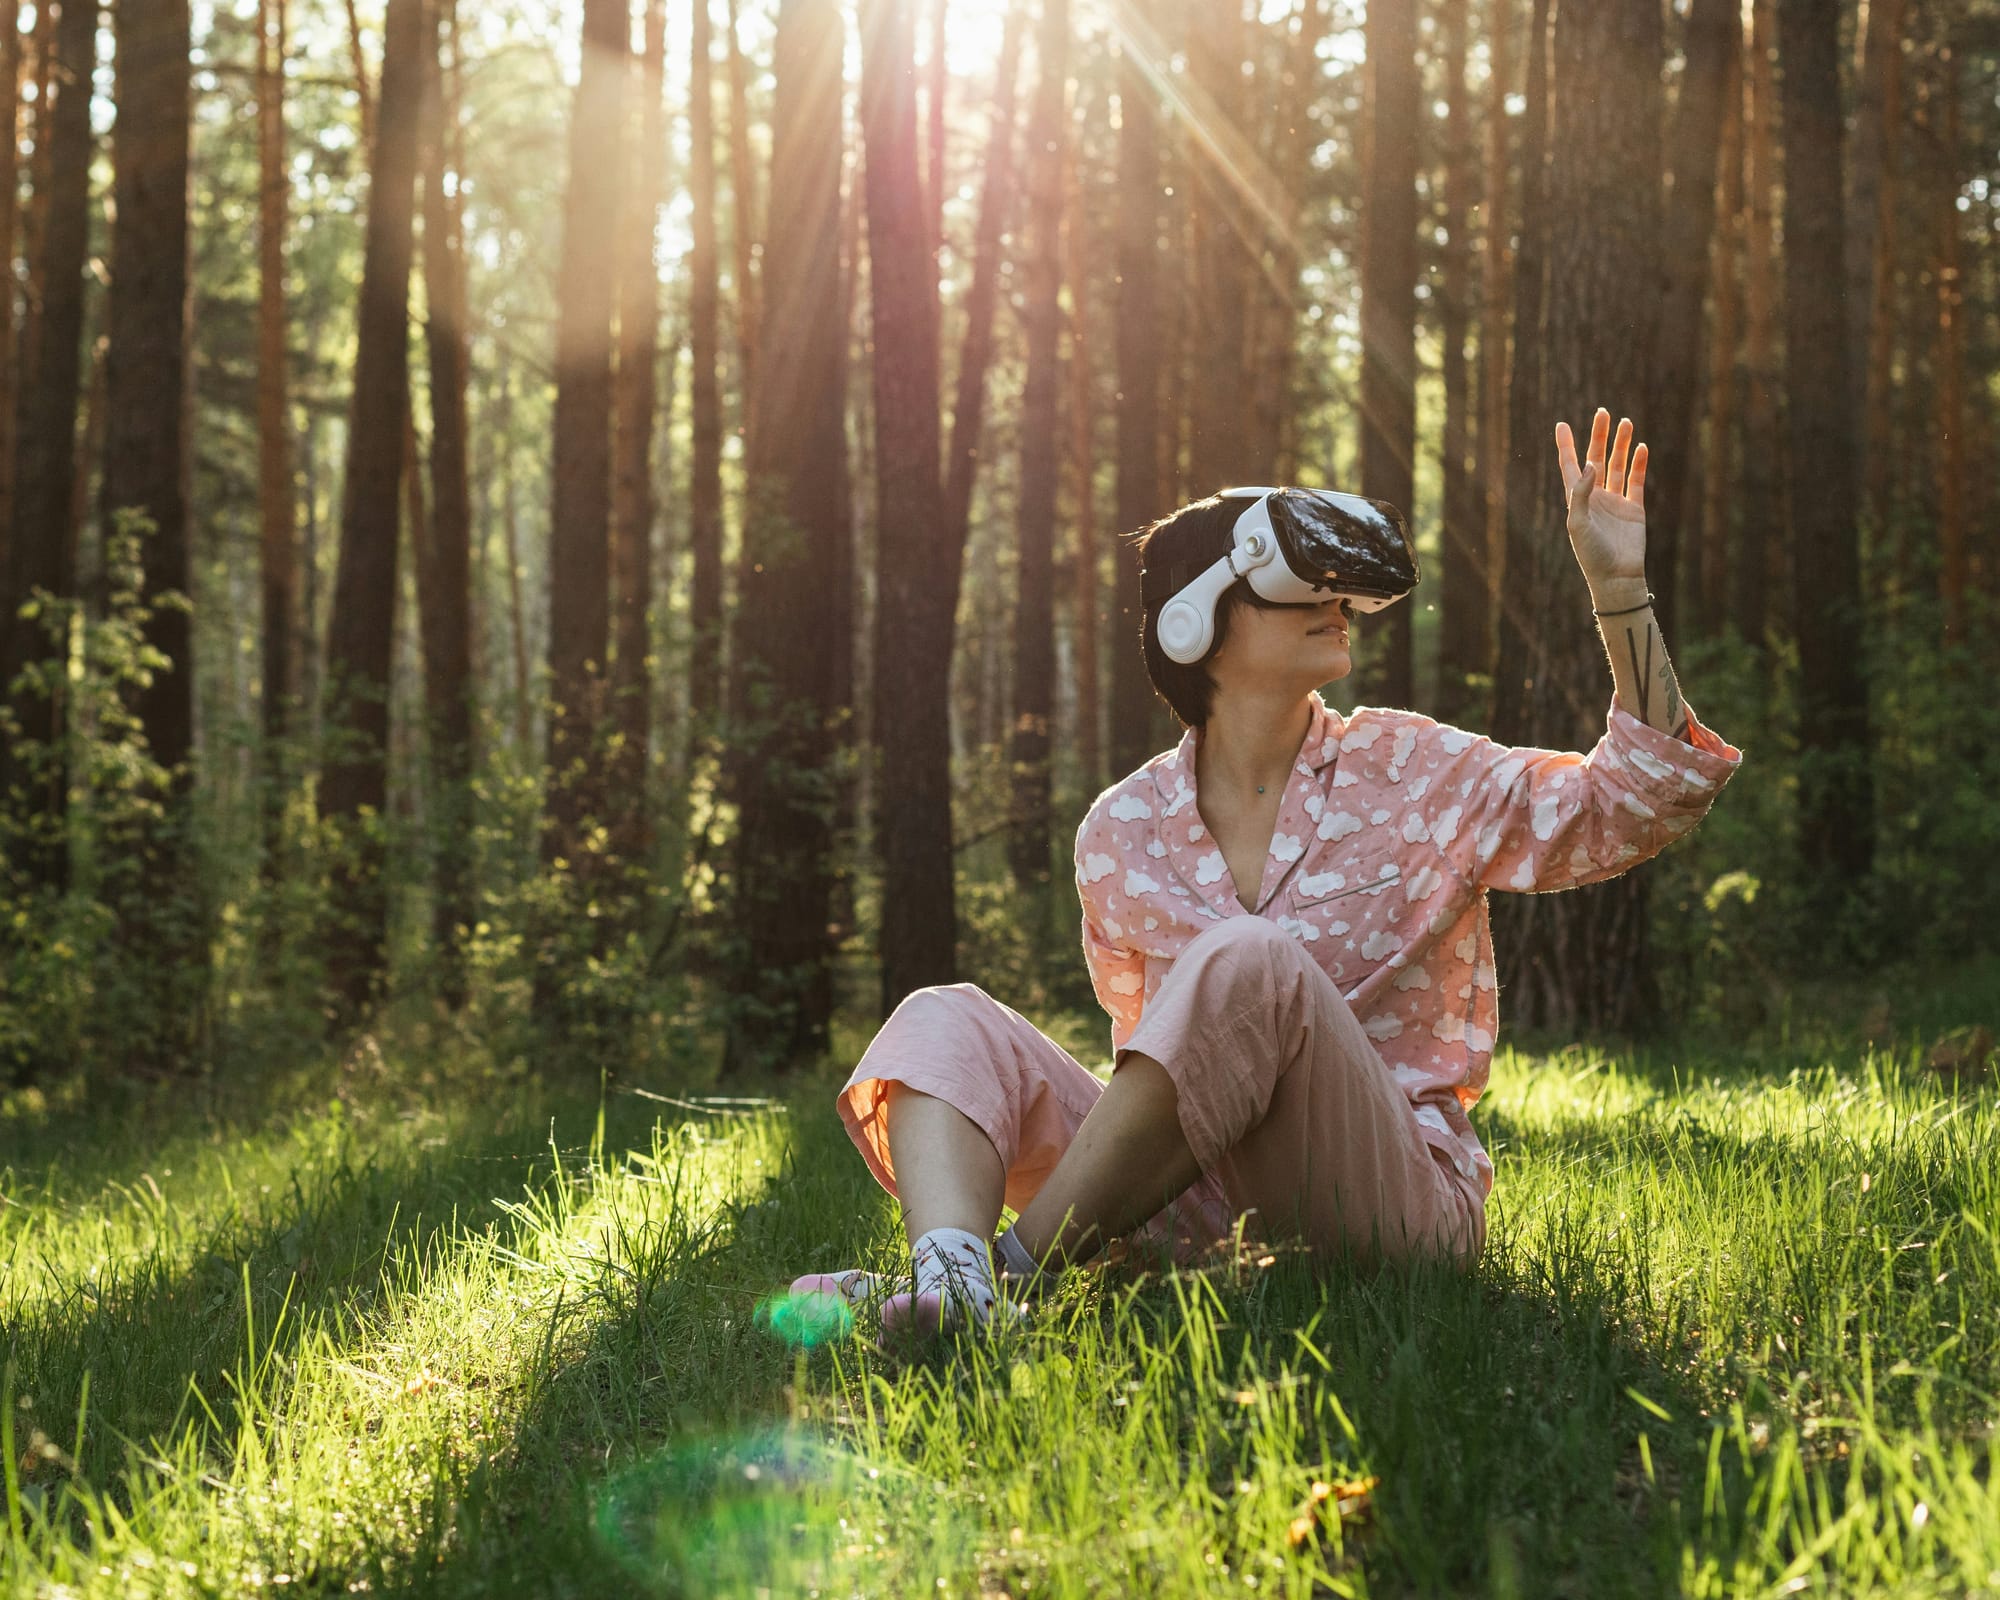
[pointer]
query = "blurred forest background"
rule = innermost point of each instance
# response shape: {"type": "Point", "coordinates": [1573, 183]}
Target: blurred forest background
{"type": "Point", "coordinates": [593, 526]}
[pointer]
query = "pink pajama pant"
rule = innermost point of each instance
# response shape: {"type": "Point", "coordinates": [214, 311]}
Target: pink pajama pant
{"type": "Point", "coordinates": [1282, 1097]}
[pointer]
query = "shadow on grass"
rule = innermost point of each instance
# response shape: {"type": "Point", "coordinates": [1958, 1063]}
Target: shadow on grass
{"type": "Point", "coordinates": [223, 1294]}
{"type": "Point", "coordinates": [1496, 1410]}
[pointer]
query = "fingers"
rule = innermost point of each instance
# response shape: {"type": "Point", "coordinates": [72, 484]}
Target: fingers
{"type": "Point", "coordinates": [1600, 430]}
{"type": "Point", "coordinates": [1621, 449]}
{"type": "Point", "coordinates": [1635, 488]}
{"type": "Point", "coordinates": [1579, 493]}
{"type": "Point", "coordinates": [1566, 456]}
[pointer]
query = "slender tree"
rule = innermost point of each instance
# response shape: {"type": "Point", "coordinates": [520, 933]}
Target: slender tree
{"type": "Point", "coordinates": [1041, 315]}
{"type": "Point", "coordinates": [277, 501]}
{"type": "Point", "coordinates": [704, 337]}
{"type": "Point", "coordinates": [1954, 547]}
{"type": "Point", "coordinates": [447, 593]}
{"type": "Point", "coordinates": [1137, 334]}
{"type": "Point", "coordinates": [1389, 311]}
{"type": "Point", "coordinates": [40, 545]}
{"type": "Point", "coordinates": [1871, 157]}
{"type": "Point", "coordinates": [1219, 406]}
{"type": "Point", "coordinates": [1580, 959]}
{"type": "Point", "coordinates": [743, 183]}
{"type": "Point", "coordinates": [781, 700]}
{"type": "Point", "coordinates": [1719, 422]}
{"type": "Point", "coordinates": [155, 889]}
{"type": "Point", "coordinates": [1836, 821]}
{"type": "Point", "coordinates": [10, 183]}
{"type": "Point", "coordinates": [360, 641]}
{"type": "Point", "coordinates": [912, 646]}
{"type": "Point", "coordinates": [580, 512]}
{"type": "Point", "coordinates": [1763, 471]}
{"type": "Point", "coordinates": [1496, 290]}
{"type": "Point", "coordinates": [1714, 36]}
{"type": "Point", "coordinates": [638, 384]}
{"type": "Point", "coordinates": [1462, 645]}
{"type": "Point", "coordinates": [1076, 268]}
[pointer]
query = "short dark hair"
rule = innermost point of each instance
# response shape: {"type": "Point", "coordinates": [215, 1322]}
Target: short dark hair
{"type": "Point", "coordinates": [1173, 550]}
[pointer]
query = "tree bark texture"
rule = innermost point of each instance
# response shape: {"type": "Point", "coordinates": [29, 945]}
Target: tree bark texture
{"type": "Point", "coordinates": [912, 649]}
{"type": "Point", "coordinates": [447, 619]}
{"type": "Point", "coordinates": [41, 544]}
{"type": "Point", "coordinates": [1719, 467]}
{"type": "Point", "coordinates": [793, 529]}
{"type": "Point", "coordinates": [1672, 426]}
{"type": "Point", "coordinates": [10, 211]}
{"type": "Point", "coordinates": [1871, 159]}
{"type": "Point", "coordinates": [277, 502]}
{"type": "Point", "coordinates": [1835, 786]}
{"type": "Point", "coordinates": [1136, 333]}
{"type": "Point", "coordinates": [1041, 314]}
{"type": "Point", "coordinates": [1580, 959]}
{"type": "Point", "coordinates": [1389, 317]}
{"type": "Point", "coordinates": [638, 385]}
{"type": "Point", "coordinates": [1462, 644]}
{"type": "Point", "coordinates": [1496, 290]}
{"type": "Point", "coordinates": [1219, 404]}
{"type": "Point", "coordinates": [580, 513]}
{"type": "Point", "coordinates": [704, 340]}
{"type": "Point", "coordinates": [153, 888]}
{"type": "Point", "coordinates": [1763, 464]}
{"type": "Point", "coordinates": [360, 632]}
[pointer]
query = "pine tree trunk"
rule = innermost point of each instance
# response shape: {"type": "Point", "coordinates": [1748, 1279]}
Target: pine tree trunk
{"type": "Point", "coordinates": [1580, 959]}
{"type": "Point", "coordinates": [913, 623]}
{"type": "Point", "coordinates": [638, 383]}
{"type": "Point", "coordinates": [1714, 35]}
{"type": "Point", "coordinates": [1835, 798]}
{"type": "Point", "coordinates": [1762, 463]}
{"type": "Point", "coordinates": [1719, 469]}
{"type": "Point", "coordinates": [975, 354]}
{"type": "Point", "coordinates": [40, 544]}
{"type": "Point", "coordinates": [277, 502]}
{"type": "Point", "coordinates": [1389, 317]}
{"type": "Point", "coordinates": [447, 620]}
{"type": "Point", "coordinates": [1220, 403]}
{"type": "Point", "coordinates": [1953, 552]}
{"type": "Point", "coordinates": [1083, 462]}
{"type": "Point", "coordinates": [1137, 332]}
{"type": "Point", "coordinates": [1462, 643]}
{"type": "Point", "coordinates": [580, 512]}
{"type": "Point", "coordinates": [10, 184]}
{"type": "Point", "coordinates": [1871, 158]}
{"type": "Point", "coordinates": [793, 527]}
{"type": "Point", "coordinates": [156, 895]}
{"type": "Point", "coordinates": [743, 184]}
{"type": "Point", "coordinates": [704, 339]}
{"type": "Point", "coordinates": [1034, 631]}
{"type": "Point", "coordinates": [359, 646]}
{"type": "Point", "coordinates": [1496, 288]}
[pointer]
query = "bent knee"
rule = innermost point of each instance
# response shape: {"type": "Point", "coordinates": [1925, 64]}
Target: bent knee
{"type": "Point", "coordinates": [942, 1011]}
{"type": "Point", "coordinates": [1248, 941]}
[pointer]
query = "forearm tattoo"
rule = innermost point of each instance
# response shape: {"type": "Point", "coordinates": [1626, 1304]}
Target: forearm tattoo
{"type": "Point", "coordinates": [1645, 675]}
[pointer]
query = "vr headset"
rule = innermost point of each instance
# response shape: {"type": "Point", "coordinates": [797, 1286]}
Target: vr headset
{"type": "Point", "coordinates": [1297, 547]}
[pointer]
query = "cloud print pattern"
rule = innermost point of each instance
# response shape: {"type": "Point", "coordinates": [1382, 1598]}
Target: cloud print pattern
{"type": "Point", "coordinates": [1391, 829]}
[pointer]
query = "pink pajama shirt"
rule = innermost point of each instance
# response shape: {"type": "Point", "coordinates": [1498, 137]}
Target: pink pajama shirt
{"type": "Point", "coordinates": [1325, 1061]}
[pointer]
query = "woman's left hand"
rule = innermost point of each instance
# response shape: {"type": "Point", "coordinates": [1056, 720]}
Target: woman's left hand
{"type": "Point", "coordinates": [1607, 516]}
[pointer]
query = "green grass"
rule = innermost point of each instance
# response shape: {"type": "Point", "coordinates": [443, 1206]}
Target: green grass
{"type": "Point", "coordinates": [1736, 1333]}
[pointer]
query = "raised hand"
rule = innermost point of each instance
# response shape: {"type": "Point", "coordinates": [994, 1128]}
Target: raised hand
{"type": "Point", "coordinates": [1607, 515]}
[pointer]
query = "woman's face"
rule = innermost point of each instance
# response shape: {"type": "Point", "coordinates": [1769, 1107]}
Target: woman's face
{"type": "Point", "coordinates": [1284, 649]}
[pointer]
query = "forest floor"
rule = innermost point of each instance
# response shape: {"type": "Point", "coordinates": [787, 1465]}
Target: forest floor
{"type": "Point", "coordinates": [434, 1330]}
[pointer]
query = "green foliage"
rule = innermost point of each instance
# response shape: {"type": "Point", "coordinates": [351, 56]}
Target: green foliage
{"type": "Point", "coordinates": [73, 987]}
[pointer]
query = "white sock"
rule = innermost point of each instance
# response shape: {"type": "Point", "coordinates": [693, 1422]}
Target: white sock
{"type": "Point", "coordinates": [954, 1263]}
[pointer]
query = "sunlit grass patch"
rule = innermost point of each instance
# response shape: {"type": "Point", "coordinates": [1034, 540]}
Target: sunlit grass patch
{"type": "Point", "coordinates": [1734, 1335]}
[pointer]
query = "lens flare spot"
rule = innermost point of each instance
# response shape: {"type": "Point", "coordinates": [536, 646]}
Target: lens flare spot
{"type": "Point", "coordinates": [805, 1321]}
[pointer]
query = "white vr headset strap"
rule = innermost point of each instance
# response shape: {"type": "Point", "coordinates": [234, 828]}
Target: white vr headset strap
{"type": "Point", "coordinates": [1187, 622]}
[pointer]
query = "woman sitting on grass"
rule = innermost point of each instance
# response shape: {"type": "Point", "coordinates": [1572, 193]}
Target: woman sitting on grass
{"type": "Point", "coordinates": [1286, 919]}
